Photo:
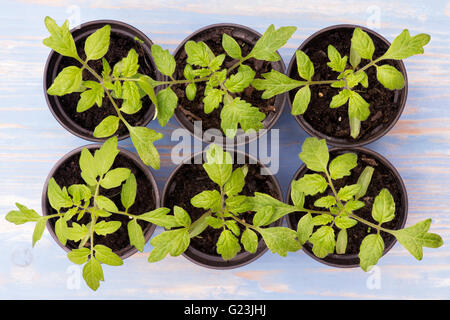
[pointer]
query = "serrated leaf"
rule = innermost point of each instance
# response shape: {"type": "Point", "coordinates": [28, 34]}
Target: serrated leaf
{"type": "Point", "coordinates": [182, 216]}
{"type": "Point", "coordinates": [167, 103]}
{"type": "Point", "coordinates": [342, 165]}
{"type": "Point", "coordinates": [136, 235]}
{"type": "Point", "coordinates": [261, 200]}
{"type": "Point", "coordinates": [22, 216]}
{"type": "Point", "coordinates": [106, 204]}
{"type": "Point", "coordinates": [322, 219]}
{"type": "Point", "coordinates": [301, 101]}
{"type": "Point", "coordinates": [305, 68]}
{"type": "Point", "coordinates": [216, 63]}
{"type": "Point", "coordinates": [237, 181]}
{"type": "Point", "coordinates": [58, 198]}
{"type": "Point", "coordinates": [340, 99]}
{"type": "Point", "coordinates": [249, 240]}
{"type": "Point", "coordinates": [383, 209]}
{"type": "Point", "coordinates": [275, 83]}
{"type": "Point", "coordinates": [131, 98]}
{"type": "Point", "coordinates": [390, 77]}
{"type": "Point", "coordinates": [199, 54]}
{"type": "Point", "coordinates": [60, 39]}
{"type": "Point", "coordinates": [228, 245]}
{"type": "Point", "coordinates": [164, 61]}
{"type": "Point", "coordinates": [239, 112]}
{"type": "Point", "coordinates": [107, 256]}
{"type": "Point", "coordinates": [315, 154]}
{"type": "Point", "coordinates": [343, 222]}
{"type": "Point", "coordinates": [241, 80]}
{"type": "Point", "coordinates": [143, 138]}
{"type": "Point", "coordinates": [405, 46]}
{"type": "Point", "coordinates": [305, 228]}
{"type": "Point", "coordinates": [337, 62]}
{"type": "Point", "coordinates": [103, 228]}
{"type": "Point", "coordinates": [208, 199]}
{"type": "Point", "coordinates": [76, 232]}
{"type": "Point", "coordinates": [325, 202]}
{"type": "Point", "coordinates": [93, 273]}
{"type": "Point", "coordinates": [263, 216]}
{"type": "Point", "coordinates": [90, 97]}
{"type": "Point", "coordinates": [105, 156]}
{"type": "Point", "coordinates": [231, 47]}
{"type": "Point", "coordinates": [61, 230]}
{"type": "Point", "coordinates": [323, 242]}
{"type": "Point", "coordinates": [311, 184]}
{"type": "Point", "coordinates": [219, 165]}
{"type": "Point", "coordinates": [107, 127]}
{"type": "Point", "coordinates": [173, 242]}
{"type": "Point", "coordinates": [354, 205]}
{"type": "Point", "coordinates": [348, 192]}
{"type": "Point", "coordinates": [67, 81]}
{"type": "Point", "coordinates": [212, 100]}
{"type": "Point", "coordinates": [38, 230]}
{"type": "Point", "coordinates": [297, 196]}
{"type": "Point", "coordinates": [129, 65]}
{"type": "Point", "coordinates": [115, 177]}
{"type": "Point", "coordinates": [97, 44]}
{"type": "Point", "coordinates": [160, 217]}
{"type": "Point", "coordinates": [79, 256]}
{"type": "Point", "coordinates": [128, 193]}
{"type": "Point", "coordinates": [280, 240]}
{"type": "Point", "coordinates": [272, 40]}
{"type": "Point", "coordinates": [362, 43]}
{"type": "Point", "coordinates": [371, 250]}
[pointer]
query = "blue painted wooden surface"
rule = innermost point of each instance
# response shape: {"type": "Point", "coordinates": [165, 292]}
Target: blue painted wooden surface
{"type": "Point", "coordinates": [31, 141]}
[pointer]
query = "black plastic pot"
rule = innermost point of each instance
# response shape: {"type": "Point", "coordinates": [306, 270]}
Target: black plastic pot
{"type": "Point", "coordinates": [240, 33]}
{"type": "Point", "coordinates": [194, 254]}
{"type": "Point", "coordinates": [401, 200]}
{"type": "Point", "coordinates": [55, 61]}
{"type": "Point", "coordinates": [331, 35]}
{"type": "Point", "coordinates": [149, 200]}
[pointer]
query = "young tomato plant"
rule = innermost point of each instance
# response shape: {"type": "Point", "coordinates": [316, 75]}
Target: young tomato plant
{"type": "Point", "coordinates": [351, 74]}
{"type": "Point", "coordinates": [226, 209]}
{"type": "Point", "coordinates": [74, 202]}
{"type": "Point", "coordinates": [336, 213]}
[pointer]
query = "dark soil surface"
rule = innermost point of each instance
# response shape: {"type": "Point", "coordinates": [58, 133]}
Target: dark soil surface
{"type": "Point", "coordinates": [119, 47]}
{"type": "Point", "coordinates": [384, 103]}
{"type": "Point", "coordinates": [194, 110]}
{"type": "Point", "coordinates": [192, 179]}
{"type": "Point", "coordinates": [382, 178]}
{"type": "Point", "coordinates": [69, 173]}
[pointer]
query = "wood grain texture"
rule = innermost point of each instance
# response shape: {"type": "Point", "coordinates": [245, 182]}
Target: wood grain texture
{"type": "Point", "coordinates": [31, 141]}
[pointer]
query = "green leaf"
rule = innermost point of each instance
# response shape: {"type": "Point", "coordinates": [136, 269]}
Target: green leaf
{"type": "Point", "coordinates": [90, 97]}
{"type": "Point", "coordinates": [362, 43]}
{"type": "Point", "coordinates": [341, 242]}
{"type": "Point", "coordinates": [61, 230]}
{"type": "Point", "coordinates": [60, 39]}
{"type": "Point", "coordinates": [355, 58]}
{"type": "Point", "coordinates": [261, 200]}
{"type": "Point", "coordinates": [164, 61]}
{"type": "Point", "coordinates": [354, 205]}
{"type": "Point", "coordinates": [243, 113]}
{"type": "Point", "coordinates": [106, 256]}
{"type": "Point", "coordinates": [347, 192]}
{"type": "Point", "coordinates": [76, 232]}
{"type": "Point", "coordinates": [301, 101]}
{"type": "Point", "coordinates": [322, 219]}
{"type": "Point", "coordinates": [383, 209]}
{"type": "Point", "coordinates": [67, 81]}
{"type": "Point", "coordinates": [115, 177]}
{"type": "Point", "coordinates": [272, 40]}
{"type": "Point", "coordinates": [103, 228]}
{"type": "Point", "coordinates": [219, 165]}
{"type": "Point", "coordinates": [311, 184]}
{"type": "Point", "coordinates": [237, 181]}
{"type": "Point", "coordinates": [88, 167]}
{"type": "Point", "coordinates": [315, 154]}
{"type": "Point", "coordinates": [355, 126]}
{"type": "Point", "coordinates": [280, 240]}
{"type": "Point", "coordinates": [340, 99]}
{"type": "Point", "coordinates": [212, 100]}
{"type": "Point", "coordinates": [275, 83]}
{"type": "Point", "coordinates": [128, 193]}
{"type": "Point", "coordinates": [405, 46]}
{"type": "Point", "coordinates": [214, 222]}
{"type": "Point", "coordinates": [263, 216]}
{"type": "Point", "coordinates": [160, 217]}
{"type": "Point", "coordinates": [93, 273]}
{"type": "Point", "coordinates": [143, 138]}
{"type": "Point", "coordinates": [22, 216]}
{"type": "Point", "coordinates": [323, 241]}
{"type": "Point", "coordinates": [233, 226]}
{"type": "Point", "coordinates": [325, 202]}
{"type": "Point", "coordinates": [199, 54]}
{"type": "Point", "coordinates": [79, 256]}
{"type": "Point", "coordinates": [358, 107]}
{"type": "Point", "coordinates": [337, 63]}
{"type": "Point", "coordinates": [208, 199]}
{"type": "Point", "coordinates": [305, 68]}
{"type": "Point", "coordinates": [342, 165]}
{"type": "Point", "coordinates": [417, 236]}
{"type": "Point", "coordinates": [364, 181]}
{"type": "Point", "coordinates": [167, 103]}
{"type": "Point", "coordinates": [191, 91]}
{"type": "Point", "coordinates": [371, 250]}
{"type": "Point", "coordinates": [297, 196]}
{"type": "Point", "coordinates": [231, 47]}
{"type": "Point", "coordinates": [97, 44]}
{"type": "Point", "coordinates": [249, 240]}
{"type": "Point", "coordinates": [390, 77]}
{"type": "Point", "coordinates": [107, 127]}
{"type": "Point", "coordinates": [216, 63]}
{"type": "Point", "coordinates": [129, 65]}
{"type": "Point", "coordinates": [181, 216]}
{"type": "Point", "coordinates": [199, 225]}
{"type": "Point", "coordinates": [106, 204]}
{"type": "Point", "coordinates": [239, 204]}
{"type": "Point", "coordinates": [147, 85]}
{"type": "Point", "coordinates": [38, 230]}
{"type": "Point", "coordinates": [241, 80]}
{"type": "Point", "coordinates": [343, 222]}
{"type": "Point", "coordinates": [228, 245]}
{"type": "Point", "coordinates": [173, 242]}
{"type": "Point", "coordinates": [131, 97]}
{"type": "Point", "coordinates": [58, 198]}
{"type": "Point", "coordinates": [305, 228]}
{"type": "Point", "coordinates": [105, 156]}
{"type": "Point", "coordinates": [136, 235]}
{"type": "Point", "coordinates": [100, 212]}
